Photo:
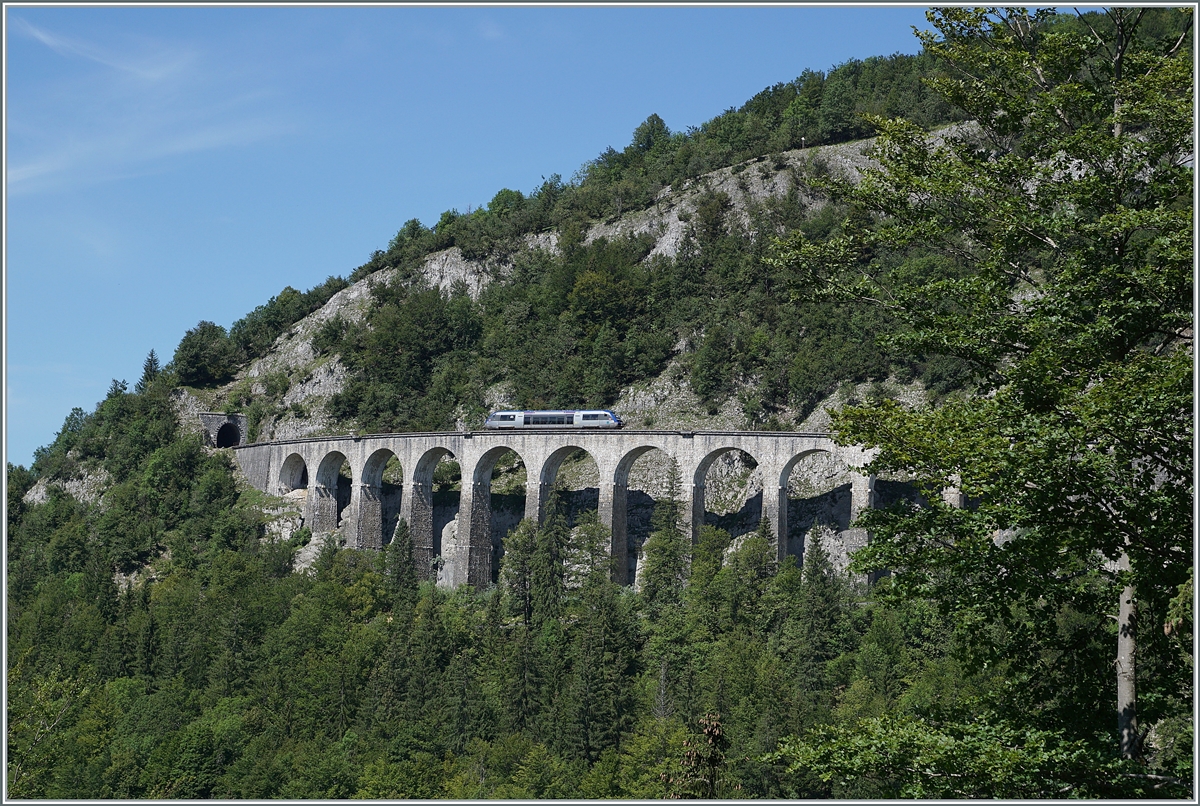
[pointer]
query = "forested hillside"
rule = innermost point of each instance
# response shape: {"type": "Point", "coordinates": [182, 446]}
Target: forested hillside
{"type": "Point", "coordinates": [1006, 307]}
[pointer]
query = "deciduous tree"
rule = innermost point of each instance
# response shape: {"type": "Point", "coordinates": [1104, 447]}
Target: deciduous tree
{"type": "Point", "coordinates": [1055, 237]}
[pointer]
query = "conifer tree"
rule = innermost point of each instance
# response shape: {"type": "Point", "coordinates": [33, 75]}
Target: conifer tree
{"type": "Point", "coordinates": [524, 680]}
{"type": "Point", "coordinates": [599, 695]}
{"type": "Point", "coordinates": [546, 564]}
{"type": "Point", "coordinates": [516, 569]}
{"type": "Point", "coordinates": [400, 569]}
{"type": "Point", "coordinates": [665, 553]}
{"type": "Point", "coordinates": [150, 371]}
{"type": "Point", "coordinates": [821, 619]}
{"type": "Point", "coordinates": [703, 764]}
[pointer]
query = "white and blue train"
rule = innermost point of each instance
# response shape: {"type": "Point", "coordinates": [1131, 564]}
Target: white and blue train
{"type": "Point", "coordinates": [597, 418]}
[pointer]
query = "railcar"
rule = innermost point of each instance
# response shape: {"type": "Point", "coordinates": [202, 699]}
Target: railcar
{"type": "Point", "coordinates": [592, 418]}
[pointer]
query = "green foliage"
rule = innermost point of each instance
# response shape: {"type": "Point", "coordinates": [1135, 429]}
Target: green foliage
{"type": "Point", "coordinates": [546, 571]}
{"type": "Point", "coordinates": [408, 359]}
{"type": "Point", "coordinates": [254, 333]}
{"type": "Point", "coordinates": [40, 707]}
{"type": "Point", "coordinates": [516, 570]}
{"type": "Point", "coordinates": [17, 482]}
{"type": "Point", "coordinates": [703, 763]}
{"type": "Point", "coordinates": [1047, 246]}
{"type": "Point", "coordinates": [122, 430]}
{"type": "Point", "coordinates": [664, 558]}
{"type": "Point", "coordinates": [205, 356]}
{"type": "Point", "coordinates": [907, 758]}
{"type": "Point", "coordinates": [209, 356]}
{"type": "Point", "coordinates": [399, 569]}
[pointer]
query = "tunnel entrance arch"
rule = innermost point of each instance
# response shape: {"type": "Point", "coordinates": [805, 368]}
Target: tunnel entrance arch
{"type": "Point", "coordinates": [228, 436]}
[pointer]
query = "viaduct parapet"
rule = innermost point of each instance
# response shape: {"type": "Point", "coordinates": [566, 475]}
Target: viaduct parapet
{"type": "Point", "coordinates": [312, 464]}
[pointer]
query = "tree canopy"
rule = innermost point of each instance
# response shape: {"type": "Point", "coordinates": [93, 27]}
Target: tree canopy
{"type": "Point", "coordinates": [1048, 243]}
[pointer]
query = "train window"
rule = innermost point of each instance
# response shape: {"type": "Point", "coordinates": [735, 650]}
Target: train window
{"type": "Point", "coordinates": [591, 416]}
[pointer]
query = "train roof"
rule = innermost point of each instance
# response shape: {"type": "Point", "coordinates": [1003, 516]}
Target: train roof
{"type": "Point", "coordinates": [550, 411]}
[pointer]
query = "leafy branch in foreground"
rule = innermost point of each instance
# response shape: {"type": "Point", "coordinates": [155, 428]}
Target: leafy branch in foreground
{"type": "Point", "coordinates": [1049, 244]}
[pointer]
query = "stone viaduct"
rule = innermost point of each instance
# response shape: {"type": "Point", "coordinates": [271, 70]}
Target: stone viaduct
{"type": "Point", "coordinates": [313, 464]}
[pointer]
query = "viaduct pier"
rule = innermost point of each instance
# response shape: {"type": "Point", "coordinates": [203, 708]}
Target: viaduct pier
{"type": "Point", "coordinates": [313, 464]}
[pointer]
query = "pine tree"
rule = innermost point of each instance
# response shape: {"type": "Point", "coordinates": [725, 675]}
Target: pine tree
{"type": "Point", "coordinates": [703, 762]}
{"type": "Point", "coordinates": [150, 371]}
{"type": "Point", "coordinates": [665, 554]}
{"type": "Point", "coordinates": [599, 697]}
{"type": "Point", "coordinates": [400, 569]}
{"type": "Point", "coordinates": [819, 625]}
{"type": "Point", "coordinates": [524, 681]}
{"type": "Point", "coordinates": [546, 564]}
{"type": "Point", "coordinates": [516, 570]}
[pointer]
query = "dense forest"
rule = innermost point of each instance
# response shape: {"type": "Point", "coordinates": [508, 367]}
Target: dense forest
{"type": "Point", "coordinates": [1031, 269]}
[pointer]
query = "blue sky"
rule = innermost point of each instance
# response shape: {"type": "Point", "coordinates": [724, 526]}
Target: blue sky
{"type": "Point", "coordinates": [168, 165]}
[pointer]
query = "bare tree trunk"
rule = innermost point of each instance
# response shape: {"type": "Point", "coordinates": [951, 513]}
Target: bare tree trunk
{"type": "Point", "coordinates": [1125, 22]}
{"type": "Point", "coordinates": [1127, 723]}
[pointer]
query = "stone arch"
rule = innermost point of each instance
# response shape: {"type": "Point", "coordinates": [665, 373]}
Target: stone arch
{"type": "Point", "coordinates": [293, 474]}
{"type": "Point", "coordinates": [228, 436]}
{"type": "Point", "coordinates": [424, 467]}
{"type": "Point", "coordinates": [379, 500]}
{"type": "Point", "coordinates": [742, 521]}
{"type": "Point", "coordinates": [548, 476]}
{"type": "Point", "coordinates": [482, 472]}
{"type": "Point", "coordinates": [626, 462]}
{"type": "Point", "coordinates": [428, 521]}
{"type": "Point", "coordinates": [486, 533]}
{"type": "Point", "coordinates": [330, 494]}
{"type": "Point", "coordinates": [372, 474]}
{"type": "Point", "coordinates": [214, 423]}
{"type": "Point", "coordinates": [632, 510]}
{"type": "Point", "coordinates": [328, 469]}
{"type": "Point", "coordinates": [824, 499]}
